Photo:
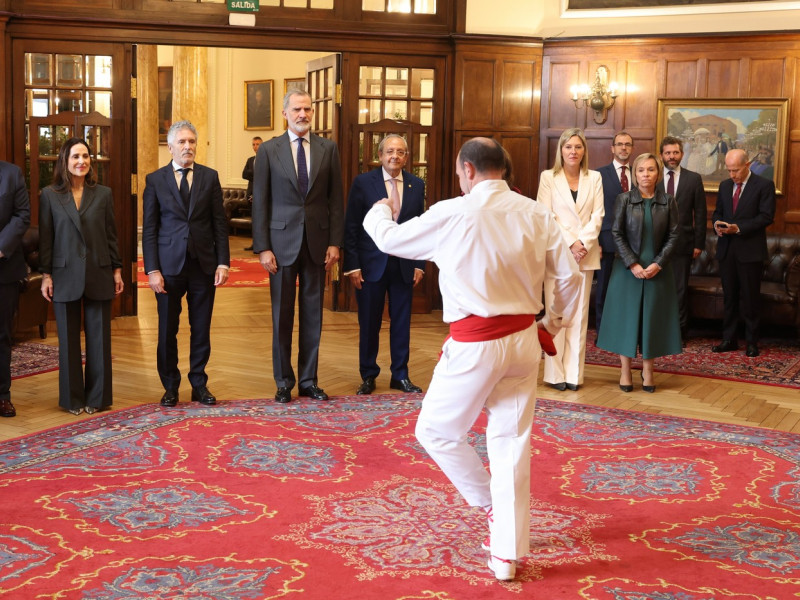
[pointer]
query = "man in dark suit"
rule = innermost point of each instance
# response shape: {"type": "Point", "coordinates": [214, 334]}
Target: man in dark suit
{"type": "Point", "coordinates": [375, 273]}
{"type": "Point", "coordinates": [297, 230]}
{"type": "Point", "coordinates": [745, 208]}
{"type": "Point", "coordinates": [616, 179]}
{"type": "Point", "coordinates": [185, 247]}
{"type": "Point", "coordinates": [687, 188]}
{"type": "Point", "coordinates": [15, 216]}
{"type": "Point", "coordinates": [248, 174]}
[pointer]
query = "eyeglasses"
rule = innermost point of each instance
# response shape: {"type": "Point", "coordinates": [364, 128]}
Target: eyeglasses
{"type": "Point", "coordinates": [392, 152]}
{"type": "Point", "coordinates": [624, 145]}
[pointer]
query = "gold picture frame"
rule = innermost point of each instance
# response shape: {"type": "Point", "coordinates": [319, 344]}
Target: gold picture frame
{"type": "Point", "coordinates": [709, 127]}
{"type": "Point", "coordinates": [258, 104]}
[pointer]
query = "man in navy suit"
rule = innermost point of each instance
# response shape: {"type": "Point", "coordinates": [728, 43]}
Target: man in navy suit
{"type": "Point", "coordinates": [375, 273]}
{"type": "Point", "coordinates": [687, 188]}
{"type": "Point", "coordinates": [15, 216]}
{"type": "Point", "coordinates": [617, 178]}
{"type": "Point", "coordinates": [298, 222]}
{"type": "Point", "coordinates": [745, 208]}
{"type": "Point", "coordinates": [186, 252]}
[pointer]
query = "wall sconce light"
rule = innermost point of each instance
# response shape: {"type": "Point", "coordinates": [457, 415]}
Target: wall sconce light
{"type": "Point", "coordinates": [599, 97]}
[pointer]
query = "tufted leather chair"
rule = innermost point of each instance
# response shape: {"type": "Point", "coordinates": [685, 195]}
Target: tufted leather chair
{"type": "Point", "coordinates": [32, 310]}
{"type": "Point", "coordinates": [780, 283]}
{"type": "Point", "coordinates": [237, 209]}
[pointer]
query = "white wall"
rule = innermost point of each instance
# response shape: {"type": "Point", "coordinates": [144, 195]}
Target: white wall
{"type": "Point", "coordinates": [229, 143]}
{"type": "Point", "coordinates": [546, 19]}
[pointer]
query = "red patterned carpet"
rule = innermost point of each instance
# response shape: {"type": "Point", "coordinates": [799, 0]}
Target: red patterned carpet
{"type": "Point", "coordinates": [778, 364]}
{"type": "Point", "coordinates": [254, 500]}
{"type": "Point", "coordinates": [29, 358]}
{"type": "Point", "coordinates": [245, 272]}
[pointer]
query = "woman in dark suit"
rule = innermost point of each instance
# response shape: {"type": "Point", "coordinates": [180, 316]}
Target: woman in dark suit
{"type": "Point", "coordinates": [641, 308]}
{"type": "Point", "coordinates": [81, 266]}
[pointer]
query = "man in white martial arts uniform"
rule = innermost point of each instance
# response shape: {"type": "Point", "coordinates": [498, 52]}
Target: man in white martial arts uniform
{"type": "Point", "coordinates": [494, 249]}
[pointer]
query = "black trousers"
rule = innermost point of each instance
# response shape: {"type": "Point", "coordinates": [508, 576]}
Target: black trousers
{"type": "Point", "coordinates": [741, 288]}
{"type": "Point", "coordinates": [74, 389]}
{"type": "Point", "coordinates": [9, 296]}
{"type": "Point", "coordinates": [198, 287]}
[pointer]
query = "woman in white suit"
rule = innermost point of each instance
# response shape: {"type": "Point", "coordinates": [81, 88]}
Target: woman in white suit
{"type": "Point", "coordinates": [575, 195]}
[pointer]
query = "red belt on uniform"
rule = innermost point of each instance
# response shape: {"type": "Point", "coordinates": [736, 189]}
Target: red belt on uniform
{"type": "Point", "coordinates": [483, 329]}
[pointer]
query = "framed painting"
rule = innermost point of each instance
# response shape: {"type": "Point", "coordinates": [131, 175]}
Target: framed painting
{"type": "Point", "coordinates": [710, 127]}
{"type": "Point", "coordinates": [164, 103]}
{"type": "Point", "coordinates": [258, 104]}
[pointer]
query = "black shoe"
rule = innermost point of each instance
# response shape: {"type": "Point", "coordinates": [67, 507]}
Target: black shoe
{"type": "Point", "coordinates": [725, 346]}
{"type": "Point", "coordinates": [647, 388]}
{"type": "Point", "coordinates": [203, 396]}
{"type": "Point", "coordinates": [313, 391]}
{"type": "Point", "coordinates": [283, 395]}
{"type": "Point", "coordinates": [404, 385]}
{"type": "Point", "coordinates": [752, 351]}
{"type": "Point", "coordinates": [7, 409]}
{"type": "Point", "coordinates": [248, 249]}
{"type": "Point", "coordinates": [626, 388]}
{"type": "Point", "coordinates": [170, 398]}
{"type": "Point", "coordinates": [367, 386]}
{"type": "Point", "coordinates": [561, 386]}
{"type": "Point", "coordinates": [572, 386]}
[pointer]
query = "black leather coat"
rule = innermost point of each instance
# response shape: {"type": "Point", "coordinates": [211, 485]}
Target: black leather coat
{"type": "Point", "coordinates": [629, 220]}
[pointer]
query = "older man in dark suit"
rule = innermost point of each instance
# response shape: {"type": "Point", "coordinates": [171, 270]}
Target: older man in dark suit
{"type": "Point", "coordinates": [375, 273]}
{"type": "Point", "coordinates": [297, 231]}
{"type": "Point", "coordinates": [687, 188]}
{"type": "Point", "coordinates": [745, 208]}
{"type": "Point", "coordinates": [186, 252]}
{"type": "Point", "coordinates": [616, 178]}
{"type": "Point", "coordinates": [15, 216]}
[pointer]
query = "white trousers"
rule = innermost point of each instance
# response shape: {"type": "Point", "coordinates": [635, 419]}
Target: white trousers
{"type": "Point", "coordinates": [567, 365]}
{"type": "Point", "coordinates": [500, 376]}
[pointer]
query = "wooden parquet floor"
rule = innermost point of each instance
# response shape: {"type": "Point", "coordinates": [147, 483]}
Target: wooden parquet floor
{"type": "Point", "coordinates": [241, 367]}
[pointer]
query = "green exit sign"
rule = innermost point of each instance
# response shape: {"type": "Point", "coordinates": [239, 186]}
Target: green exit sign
{"type": "Point", "coordinates": [243, 5]}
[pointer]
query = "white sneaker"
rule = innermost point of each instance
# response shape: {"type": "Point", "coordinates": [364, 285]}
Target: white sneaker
{"type": "Point", "coordinates": [503, 569]}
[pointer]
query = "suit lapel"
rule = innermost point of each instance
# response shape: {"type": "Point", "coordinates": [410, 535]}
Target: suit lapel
{"type": "Point", "coordinates": [68, 205]}
{"type": "Point", "coordinates": [283, 150]}
{"type": "Point", "coordinates": [379, 185]}
{"type": "Point", "coordinates": [169, 181]}
{"type": "Point", "coordinates": [316, 150]}
{"type": "Point", "coordinates": [562, 187]}
{"type": "Point", "coordinates": [744, 198]}
{"type": "Point", "coordinates": [197, 180]}
{"type": "Point", "coordinates": [87, 199]}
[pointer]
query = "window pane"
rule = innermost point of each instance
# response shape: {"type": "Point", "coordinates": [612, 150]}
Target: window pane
{"type": "Point", "coordinates": [46, 173]}
{"type": "Point", "coordinates": [395, 110]}
{"type": "Point", "coordinates": [425, 7]}
{"type": "Point", "coordinates": [399, 6]}
{"type": "Point", "coordinates": [99, 101]}
{"type": "Point", "coordinates": [397, 82]}
{"type": "Point", "coordinates": [323, 4]}
{"type": "Point", "coordinates": [422, 83]}
{"type": "Point", "coordinates": [98, 71]}
{"type": "Point", "coordinates": [37, 103]}
{"type": "Point", "coordinates": [69, 70]}
{"type": "Point", "coordinates": [98, 140]}
{"type": "Point", "coordinates": [376, 5]}
{"type": "Point", "coordinates": [69, 100]}
{"type": "Point", "coordinates": [38, 69]}
{"type": "Point", "coordinates": [370, 79]}
{"type": "Point", "coordinates": [295, 3]}
{"type": "Point", "coordinates": [369, 111]}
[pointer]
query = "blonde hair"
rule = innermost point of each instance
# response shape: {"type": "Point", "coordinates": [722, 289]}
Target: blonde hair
{"type": "Point", "coordinates": [647, 156]}
{"type": "Point", "coordinates": [558, 166]}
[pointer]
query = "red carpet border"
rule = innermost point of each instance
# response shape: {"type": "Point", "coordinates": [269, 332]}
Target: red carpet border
{"type": "Point", "coordinates": [244, 272]}
{"type": "Point", "coordinates": [29, 358]}
{"type": "Point", "coordinates": [778, 364]}
{"type": "Point", "coordinates": [255, 500]}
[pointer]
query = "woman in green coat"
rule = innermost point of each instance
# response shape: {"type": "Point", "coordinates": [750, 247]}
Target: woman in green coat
{"type": "Point", "coordinates": [642, 305]}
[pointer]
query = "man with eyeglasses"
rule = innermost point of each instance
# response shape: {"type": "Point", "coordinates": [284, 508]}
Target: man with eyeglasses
{"type": "Point", "coordinates": [374, 273]}
{"type": "Point", "coordinates": [617, 178]}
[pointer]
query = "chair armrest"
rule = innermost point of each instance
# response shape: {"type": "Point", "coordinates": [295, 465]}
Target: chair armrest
{"type": "Point", "coordinates": [793, 278]}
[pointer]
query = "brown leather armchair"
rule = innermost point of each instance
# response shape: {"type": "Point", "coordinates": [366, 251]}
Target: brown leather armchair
{"type": "Point", "coordinates": [32, 310]}
{"type": "Point", "coordinates": [237, 210]}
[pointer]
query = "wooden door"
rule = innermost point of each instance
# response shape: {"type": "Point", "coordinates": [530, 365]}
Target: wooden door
{"type": "Point", "coordinates": [66, 89]}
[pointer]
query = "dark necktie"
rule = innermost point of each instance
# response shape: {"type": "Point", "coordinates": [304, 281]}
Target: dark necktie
{"type": "Point", "coordinates": [671, 184]}
{"type": "Point", "coordinates": [184, 187]}
{"type": "Point", "coordinates": [736, 196]}
{"type": "Point", "coordinates": [302, 168]}
{"type": "Point", "coordinates": [623, 179]}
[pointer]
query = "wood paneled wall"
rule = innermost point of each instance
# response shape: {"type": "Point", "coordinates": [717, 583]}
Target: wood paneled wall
{"type": "Point", "coordinates": [497, 90]}
{"type": "Point", "coordinates": [735, 66]}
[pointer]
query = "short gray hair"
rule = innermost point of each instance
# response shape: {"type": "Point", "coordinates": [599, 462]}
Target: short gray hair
{"type": "Point", "coordinates": [291, 93]}
{"type": "Point", "coordinates": [389, 137]}
{"type": "Point", "coordinates": [176, 127]}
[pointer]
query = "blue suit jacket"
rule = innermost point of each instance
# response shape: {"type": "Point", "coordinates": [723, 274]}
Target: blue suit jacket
{"type": "Point", "coordinates": [360, 251]}
{"type": "Point", "coordinates": [167, 226]}
{"type": "Point", "coordinates": [754, 213]}
{"type": "Point", "coordinates": [611, 189]}
{"type": "Point", "coordinates": [15, 216]}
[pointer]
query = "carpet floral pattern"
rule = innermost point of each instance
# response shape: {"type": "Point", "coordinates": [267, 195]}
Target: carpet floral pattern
{"type": "Point", "coordinates": [30, 358]}
{"type": "Point", "coordinates": [244, 272]}
{"type": "Point", "coordinates": [255, 500]}
{"type": "Point", "coordinates": [778, 364]}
